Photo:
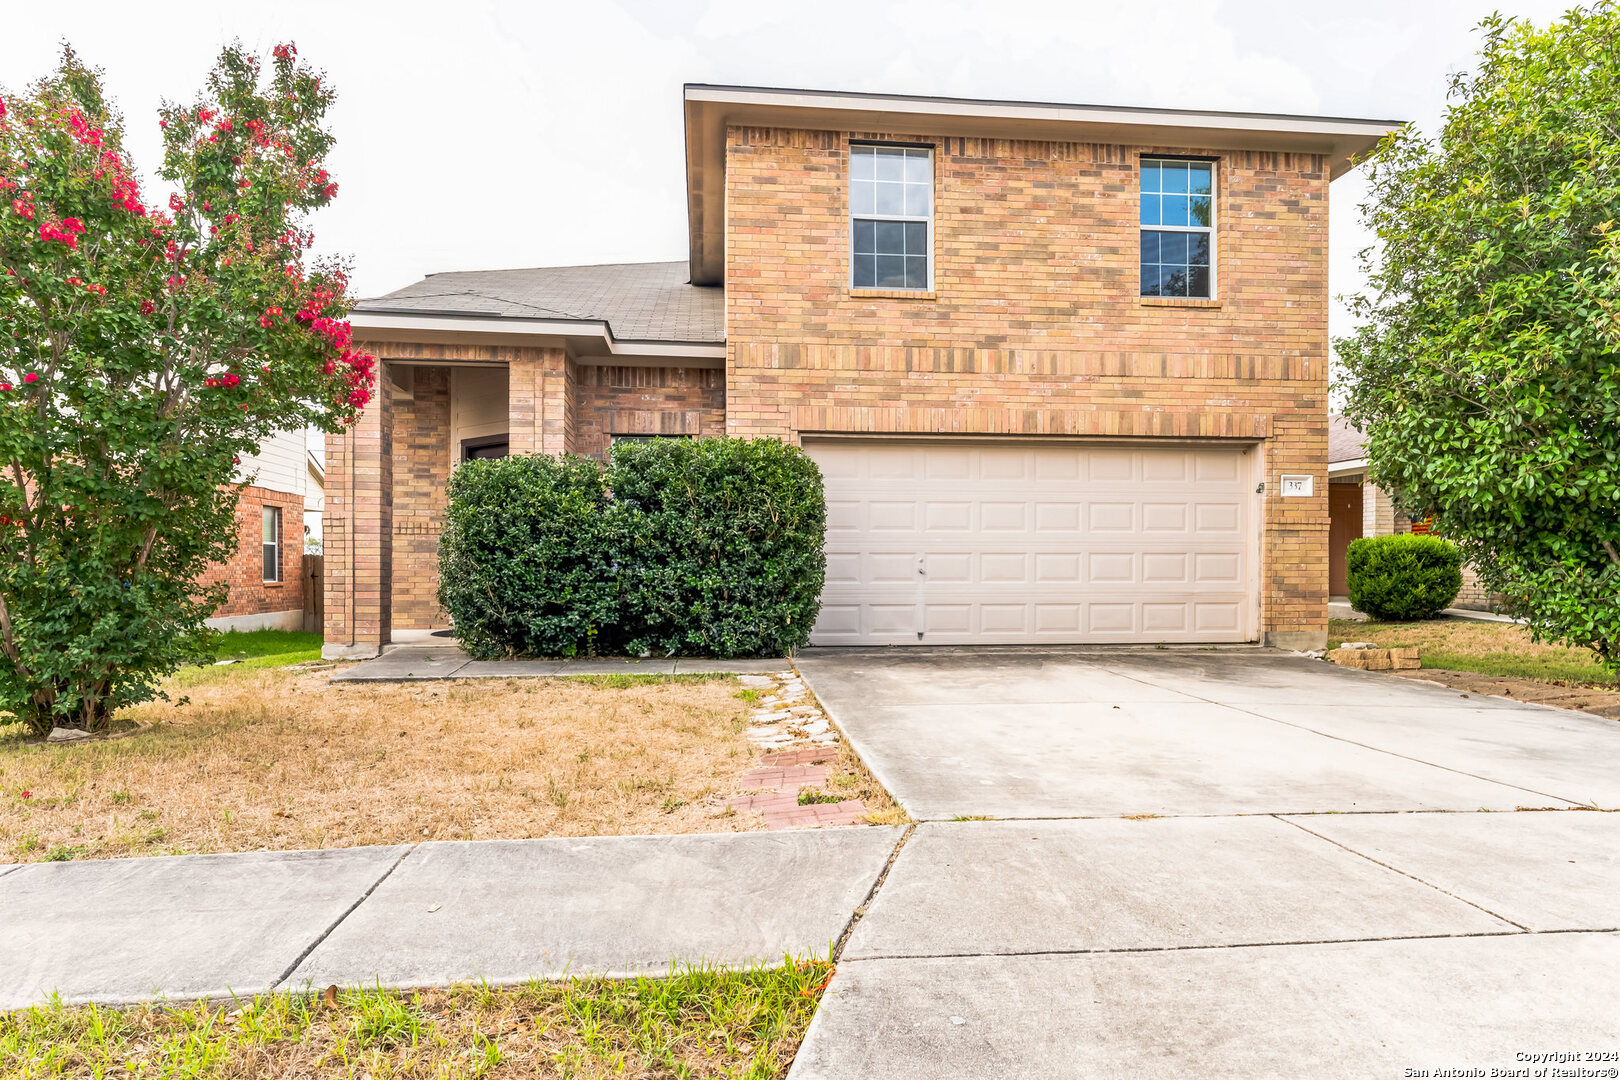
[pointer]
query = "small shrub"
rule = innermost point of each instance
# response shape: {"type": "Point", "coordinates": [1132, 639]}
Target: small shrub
{"type": "Point", "coordinates": [710, 547]}
{"type": "Point", "coordinates": [1403, 577]}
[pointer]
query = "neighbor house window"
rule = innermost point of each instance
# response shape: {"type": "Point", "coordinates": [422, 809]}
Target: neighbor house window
{"type": "Point", "coordinates": [272, 543]}
{"type": "Point", "coordinates": [1178, 227]}
{"type": "Point", "coordinates": [891, 212]}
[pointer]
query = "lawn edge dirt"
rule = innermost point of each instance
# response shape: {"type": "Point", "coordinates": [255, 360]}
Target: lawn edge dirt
{"type": "Point", "coordinates": [1594, 701]}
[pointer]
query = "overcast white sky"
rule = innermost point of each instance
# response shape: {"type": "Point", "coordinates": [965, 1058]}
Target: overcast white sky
{"type": "Point", "coordinates": [477, 134]}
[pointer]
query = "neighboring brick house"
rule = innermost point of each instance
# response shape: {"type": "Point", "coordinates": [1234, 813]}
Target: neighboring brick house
{"type": "Point", "coordinates": [1357, 508]}
{"type": "Point", "coordinates": [266, 573]}
{"type": "Point", "coordinates": [1064, 367]}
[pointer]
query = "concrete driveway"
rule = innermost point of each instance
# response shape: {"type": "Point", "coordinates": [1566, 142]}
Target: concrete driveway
{"type": "Point", "coordinates": [1219, 863]}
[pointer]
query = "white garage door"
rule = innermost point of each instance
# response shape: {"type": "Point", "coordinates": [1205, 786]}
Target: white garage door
{"type": "Point", "coordinates": [966, 542]}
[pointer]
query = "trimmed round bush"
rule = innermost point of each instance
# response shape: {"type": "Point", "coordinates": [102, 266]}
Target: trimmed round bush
{"type": "Point", "coordinates": [527, 558]}
{"type": "Point", "coordinates": [730, 544]}
{"type": "Point", "coordinates": [1403, 577]}
{"type": "Point", "coordinates": [708, 547]}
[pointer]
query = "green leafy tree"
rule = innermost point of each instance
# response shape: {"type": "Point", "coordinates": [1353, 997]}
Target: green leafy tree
{"type": "Point", "coordinates": [143, 351]}
{"type": "Point", "coordinates": [1486, 370]}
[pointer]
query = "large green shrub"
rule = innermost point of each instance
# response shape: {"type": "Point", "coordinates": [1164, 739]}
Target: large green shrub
{"type": "Point", "coordinates": [729, 559]}
{"type": "Point", "coordinates": [528, 557]}
{"type": "Point", "coordinates": [710, 547]}
{"type": "Point", "coordinates": [1403, 577]}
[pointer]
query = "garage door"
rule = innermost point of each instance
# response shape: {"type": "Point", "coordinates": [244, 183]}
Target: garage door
{"type": "Point", "coordinates": [967, 542]}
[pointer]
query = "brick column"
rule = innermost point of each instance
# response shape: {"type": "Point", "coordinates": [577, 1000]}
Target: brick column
{"type": "Point", "coordinates": [359, 528]}
{"type": "Point", "coordinates": [1378, 517]}
{"type": "Point", "coordinates": [539, 404]}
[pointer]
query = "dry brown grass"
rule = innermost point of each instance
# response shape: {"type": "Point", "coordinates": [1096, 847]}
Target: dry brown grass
{"type": "Point", "coordinates": [277, 759]}
{"type": "Point", "coordinates": [848, 778]}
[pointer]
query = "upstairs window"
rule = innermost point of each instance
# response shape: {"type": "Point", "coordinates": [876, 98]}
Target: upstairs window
{"type": "Point", "coordinates": [1178, 227]}
{"type": "Point", "coordinates": [891, 211]}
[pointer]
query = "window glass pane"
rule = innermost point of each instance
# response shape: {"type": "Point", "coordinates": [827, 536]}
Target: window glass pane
{"type": "Point", "coordinates": [891, 238]}
{"type": "Point", "coordinates": [1150, 176]}
{"type": "Point", "coordinates": [865, 237]}
{"type": "Point", "coordinates": [891, 272]}
{"type": "Point", "coordinates": [270, 515]}
{"type": "Point", "coordinates": [1150, 279]}
{"type": "Point", "coordinates": [891, 199]}
{"type": "Point", "coordinates": [1175, 210]}
{"type": "Point", "coordinates": [1150, 210]}
{"type": "Point", "coordinates": [272, 568]}
{"type": "Point", "coordinates": [862, 163]}
{"type": "Point", "coordinates": [1198, 178]}
{"type": "Point", "coordinates": [865, 272]}
{"type": "Point", "coordinates": [1173, 247]}
{"type": "Point", "coordinates": [916, 271]}
{"type": "Point", "coordinates": [919, 167]}
{"type": "Point", "coordinates": [916, 237]}
{"type": "Point", "coordinates": [1198, 281]}
{"type": "Point", "coordinates": [862, 197]}
{"type": "Point", "coordinates": [1198, 209]}
{"type": "Point", "coordinates": [1198, 249]}
{"type": "Point", "coordinates": [1150, 247]}
{"type": "Point", "coordinates": [1175, 176]}
{"type": "Point", "coordinates": [891, 163]}
{"type": "Point", "coordinates": [918, 196]}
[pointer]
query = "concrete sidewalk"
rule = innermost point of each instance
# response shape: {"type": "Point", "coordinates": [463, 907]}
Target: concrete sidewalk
{"type": "Point", "coordinates": [426, 662]}
{"type": "Point", "coordinates": [185, 927]}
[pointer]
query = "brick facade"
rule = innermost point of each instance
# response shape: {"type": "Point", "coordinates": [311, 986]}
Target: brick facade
{"type": "Point", "coordinates": [1035, 326]}
{"type": "Point", "coordinates": [612, 401]}
{"type": "Point", "coordinates": [249, 593]}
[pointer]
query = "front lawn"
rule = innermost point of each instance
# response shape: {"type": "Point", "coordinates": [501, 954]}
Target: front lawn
{"type": "Point", "coordinates": [745, 1024]}
{"type": "Point", "coordinates": [1488, 648]}
{"type": "Point", "coordinates": [266, 758]}
{"type": "Point", "coordinates": [269, 648]}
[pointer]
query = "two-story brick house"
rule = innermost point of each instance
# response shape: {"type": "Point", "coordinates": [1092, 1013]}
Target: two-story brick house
{"type": "Point", "coordinates": [1064, 367]}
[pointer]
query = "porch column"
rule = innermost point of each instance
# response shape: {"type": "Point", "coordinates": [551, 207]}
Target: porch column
{"type": "Point", "coordinates": [359, 528]}
{"type": "Point", "coordinates": [539, 404]}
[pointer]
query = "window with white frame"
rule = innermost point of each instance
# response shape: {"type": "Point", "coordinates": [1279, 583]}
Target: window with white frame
{"type": "Point", "coordinates": [272, 543]}
{"type": "Point", "coordinates": [1178, 227]}
{"type": "Point", "coordinates": [891, 212]}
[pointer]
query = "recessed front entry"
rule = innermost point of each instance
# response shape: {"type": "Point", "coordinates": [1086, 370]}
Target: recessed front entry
{"type": "Point", "coordinates": [951, 542]}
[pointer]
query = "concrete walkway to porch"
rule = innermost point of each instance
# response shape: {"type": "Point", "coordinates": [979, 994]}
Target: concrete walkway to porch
{"type": "Point", "coordinates": [442, 659]}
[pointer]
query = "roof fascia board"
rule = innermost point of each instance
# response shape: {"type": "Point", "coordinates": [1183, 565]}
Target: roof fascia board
{"type": "Point", "coordinates": [1353, 465]}
{"type": "Point", "coordinates": [586, 336]}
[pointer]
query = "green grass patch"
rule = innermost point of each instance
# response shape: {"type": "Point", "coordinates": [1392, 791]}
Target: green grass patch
{"type": "Point", "coordinates": [1499, 649]}
{"type": "Point", "coordinates": [699, 1022]}
{"type": "Point", "coordinates": [626, 679]}
{"type": "Point", "coordinates": [812, 797]}
{"type": "Point", "coordinates": [269, 648]}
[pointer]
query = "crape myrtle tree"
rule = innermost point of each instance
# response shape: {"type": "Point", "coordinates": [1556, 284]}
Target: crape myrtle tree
{"type": "Point", "coordinates": [1486, 371]}
{"type": "Point", "coordinates": [143, 350]}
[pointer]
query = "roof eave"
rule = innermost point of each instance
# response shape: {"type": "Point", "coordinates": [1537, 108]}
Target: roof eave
{"type": "Point", "coordinates": [710, 109]}
{"type": "Point", "coordinates": [581, 337]}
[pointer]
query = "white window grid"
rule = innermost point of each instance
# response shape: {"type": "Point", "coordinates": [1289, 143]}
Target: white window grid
{"type": "Point", "coordinates": [921, 185]}
{"type": "Point", "coordinates": [271, 551]}
{"type": "Point", "coordinates": [1206, 230]}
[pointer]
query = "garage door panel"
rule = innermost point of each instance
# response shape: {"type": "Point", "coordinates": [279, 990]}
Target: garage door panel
{"type": "Point", "coordinates": [1035, 542]}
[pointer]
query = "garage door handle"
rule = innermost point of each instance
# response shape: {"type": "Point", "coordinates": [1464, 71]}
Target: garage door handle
{"type": "Point", "coordinates": [922, 565]}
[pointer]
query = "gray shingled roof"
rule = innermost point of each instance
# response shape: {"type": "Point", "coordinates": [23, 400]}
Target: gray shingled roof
{"type": "Point", "coordinates": [638, 301]}
{"type": "Point", "coordinates": [1345, 442]}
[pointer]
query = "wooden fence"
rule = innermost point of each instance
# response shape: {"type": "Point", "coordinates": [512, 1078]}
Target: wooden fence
{"type": "Point", "coordinates": [314, 586]}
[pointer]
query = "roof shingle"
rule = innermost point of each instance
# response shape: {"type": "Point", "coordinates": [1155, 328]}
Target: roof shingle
{"type": "Point", "coordinates": [638, 301]}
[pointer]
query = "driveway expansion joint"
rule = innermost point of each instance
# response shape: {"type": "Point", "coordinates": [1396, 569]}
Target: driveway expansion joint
{"type": "Point", "coordinates": [350, 910]}
{"type": "Point", "coordinates": [1230, 946]}
{"type": "Point", "coordinates": [1341, 738]}
{"type": "Point", "coordinates": [1403, 873]}
{"type": "Point", "coordinates": [866, 905]}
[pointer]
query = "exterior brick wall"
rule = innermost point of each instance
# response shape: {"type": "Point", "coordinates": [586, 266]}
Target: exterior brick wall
{"type": "Point", "coordinates": [249, 593]}
{"type": "Point", "coordinates": [612, 401]}
{"type": "Point", "coordinates": [1035, 325]}
{"type": "Point", "coordinates": [423, 458]}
